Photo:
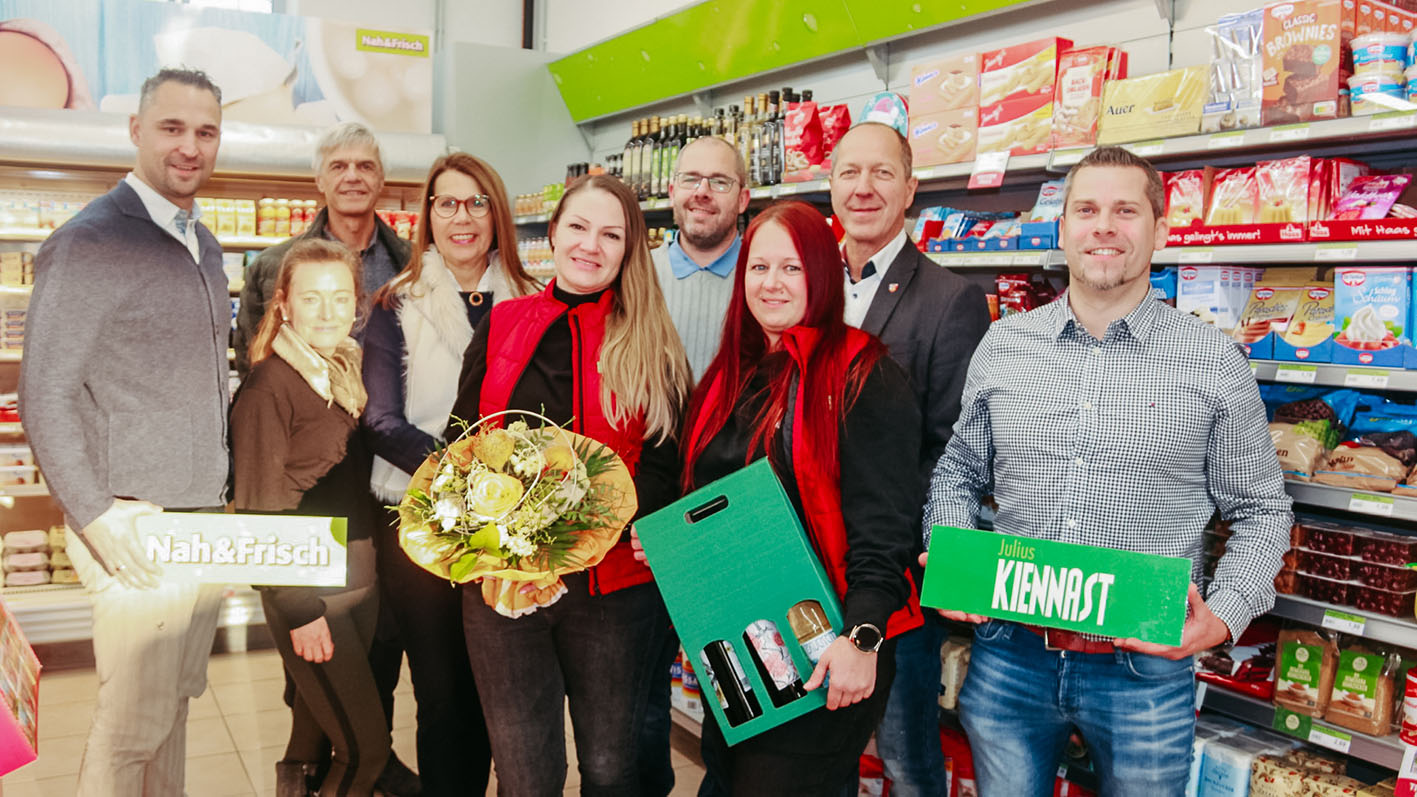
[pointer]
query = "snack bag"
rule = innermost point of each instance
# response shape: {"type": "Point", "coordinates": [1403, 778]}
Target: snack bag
{"type": "Point", "coordinates": [1306, 662]}
{"type": "Point", "coordinates": [1234, 197]}
{"type": "Point", "coordinates": [1362, 698]}
{"type": "Point", "coordinates": [1077, 99]}
{"type": "Point", "coordinates": [1283, 190]}
{"type": "Point", "coordinates": [835, 121]}
{"type": "Point", "coordinates": [802, 137]}
{"type": "Point", "coordinates": [1370, 196]}
{"type": "Point", "coordinates": [1049, 205]}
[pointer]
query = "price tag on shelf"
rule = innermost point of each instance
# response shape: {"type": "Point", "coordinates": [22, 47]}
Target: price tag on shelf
{"type": "Point", "coordinates": [1394, 120]}
{"type": "Point", "coordinates": [762, 192]}
{"type": "Point", "coordinates": [1365, 377]}
{"type": "Point", "coordinates": [1063, 771]}
{"type": "Point", "coordinates": [1330, 252]}
{"type": "Point", "coordinates": [1297, 132]}
{"type": "Point", "coordinates": [1027, 260]}
{"type": "Point", "coordinates": [1332, 738]}
{"type": "Point", "coordinates": [652, 203]}
{"type": "Point", "coordinates": [922, 174]}
{"type": "Point", "coordinates": [1067, 157]}
{"type": "Point", "coordinates": [1370, 504]}
{"type": "Point", "coordinates": [1226, 140]}
{"type": "Point", "coordinates": [989, 169]}
{"type": "Point", "coordinates": [1254, 369]}
{"type": "Point", "coordinates": [787, 189]}
{"type": "Point", "coordinates": [1147, 149]}
{"type": "Point", "coordinates": [1342, 621]}
{"type": "Point", "coordinates": [1197, 255]}
{"type": "Point", "coordinates": [1298, 374]}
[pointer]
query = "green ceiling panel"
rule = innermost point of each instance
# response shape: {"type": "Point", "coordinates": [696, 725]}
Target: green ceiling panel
{"type": "Point", "coordinates": [720, 41]}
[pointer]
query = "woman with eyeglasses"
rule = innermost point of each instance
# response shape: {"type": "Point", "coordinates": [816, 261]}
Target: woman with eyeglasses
{"type": "Point", "coordinates": [464, 261]}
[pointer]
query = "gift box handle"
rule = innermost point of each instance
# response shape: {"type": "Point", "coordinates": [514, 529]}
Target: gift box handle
{"type": "Point", "coordinates": [706, 510]}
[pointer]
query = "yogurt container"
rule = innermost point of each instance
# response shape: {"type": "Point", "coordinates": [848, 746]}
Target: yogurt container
{"type": "Point", "coordinates": [1385, 53]}
{"type": "Point", "coordinates": [1376, 92]}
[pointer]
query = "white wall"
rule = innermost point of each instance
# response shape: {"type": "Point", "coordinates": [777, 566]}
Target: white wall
{"type": "Point", "coordinates": [572, 25]}
{"type": "Point", "coordinates": [494, 22]}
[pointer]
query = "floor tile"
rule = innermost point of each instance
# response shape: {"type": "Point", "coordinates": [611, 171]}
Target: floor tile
{"type": "Point", "coordinates": [255, 730]}
{"type": "Point", "coordinates": [241, 697]}
{"type": "Point", "coordinates": [208, 736]}
{"type": "Point", "coordinates": [57, 756]}
{"type": "Point", "coordinates": [72, 686]}
{"type": "Point", "coordinates": [405, 712]}
{"type": "Point", "coordinates": [65, 719]}
{"type": "Point", "coordinates": [239, 667]}
{"type": "Point", "coordinates": [62, 786]}
{"type": "Point", "coordinates": [260, 766]}
{"type": "Point", "coordinates": [221, 775]}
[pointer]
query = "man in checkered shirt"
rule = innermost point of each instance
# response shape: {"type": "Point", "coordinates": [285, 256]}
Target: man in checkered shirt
{"type": "Point", "coordinates": [1110, 419]}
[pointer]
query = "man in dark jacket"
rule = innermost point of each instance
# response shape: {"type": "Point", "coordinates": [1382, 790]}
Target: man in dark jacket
{"type": "Point", "coordinates": [931, 319]}
{"type": "Point", "coordinates": [349, 171]}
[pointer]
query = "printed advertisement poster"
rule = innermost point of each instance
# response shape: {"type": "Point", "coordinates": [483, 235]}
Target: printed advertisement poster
{"type": "Point", "coordinates": [262, 550]}
{"type": "Point", "coordinates": [271, 68]}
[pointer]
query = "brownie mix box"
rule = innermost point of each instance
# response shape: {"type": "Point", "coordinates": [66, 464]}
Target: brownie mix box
{"type": "Point", "coordinates": [1303, 54]}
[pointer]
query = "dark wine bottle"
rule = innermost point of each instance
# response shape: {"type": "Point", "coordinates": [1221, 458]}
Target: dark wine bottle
{"type": "Point", "coordinates": [730, 683]}
{"type": "Point", "coordinates": [774, 663]}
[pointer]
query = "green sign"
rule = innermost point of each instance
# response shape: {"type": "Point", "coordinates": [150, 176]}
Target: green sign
{"type": "Point", "coordinates": [1292, 723]}
{"type": "Point", "coordinates": [1058, 585]}
{"type": "Point", "coordinates": [393, 42]}
{"type": "Point", "coordinates": [716, 42]}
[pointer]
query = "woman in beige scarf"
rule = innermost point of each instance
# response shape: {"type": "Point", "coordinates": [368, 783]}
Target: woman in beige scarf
{"type": "Point", "coordinates": [297, 447]}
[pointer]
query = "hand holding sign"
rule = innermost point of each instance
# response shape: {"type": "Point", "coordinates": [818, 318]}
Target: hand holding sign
{"type": "Point", "coordinates": [1203, 631]}
{"type": "Point", "coordinates": [114, 539]}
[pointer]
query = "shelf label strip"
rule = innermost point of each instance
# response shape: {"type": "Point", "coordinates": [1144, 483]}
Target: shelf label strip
{"type": "Point", "coordinates": [1335, 620]}
{"type": "Point", "coordinates": [1365, 377]}
{"type": "Point", "coordinates": [1299, 374]}
{"type": "Point", "coordinates": [1297, 132]}
{"type": "Point", "coordinates": [1226, 140]}
{"type": "Point", "coordinates": [1370, 504]}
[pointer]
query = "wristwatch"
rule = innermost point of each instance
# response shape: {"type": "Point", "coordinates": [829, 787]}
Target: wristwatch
{"type": "Point", "coordinates": [866, 637]}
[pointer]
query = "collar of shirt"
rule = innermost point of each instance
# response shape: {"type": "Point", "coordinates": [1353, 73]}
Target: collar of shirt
{"type": "Point", "coordinates": [684, 267]}
{"type": "Point", "coordinates": [1136, 323]}
{"type": "Point", "coordinates": [162, 211]}
{"type": "Point", "coordinates": [882, 259]}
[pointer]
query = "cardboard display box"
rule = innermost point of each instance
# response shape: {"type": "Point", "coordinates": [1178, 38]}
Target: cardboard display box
{"type": "Point", "coordinates": [1152, 106]}
{"type": "Point", "coordinates": [943, 137]}
{"type": "Point", "coordinates": [944, 84]}
{"type": "Point", "coordinates": [19, 686]}
{"type": "Point", "coordinates": [727, 555]}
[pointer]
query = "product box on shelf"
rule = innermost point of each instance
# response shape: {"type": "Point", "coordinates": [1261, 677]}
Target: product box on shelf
{"type": "Point", "coordinates": [1077, 101]}
{"type": "Point", "coordinates": [1303, 58]}
{"type": "Point", "coordinates": [1152, 106]}
{"type": "Point", "coordinates": [1020, 71]}
{"type": "Point", "coordinates": [1236, 83]}
{"type": "Point", "coordinates": [1371, 313]}
{"type": "Point", "coordinates": [19, 688]}
{"type": "Point", "coordinates": [943, 136]}
{"type": "Point", "coordinates": [758, 580]}
{"type": "Point", "coordinates": [944, 84]}
{"type": "Point", "coordinates": [1022, 127]}
{"type": "Point", "coordinates": [1309, 336]}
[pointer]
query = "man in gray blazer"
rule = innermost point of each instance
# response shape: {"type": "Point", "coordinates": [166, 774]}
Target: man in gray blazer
{"type": "Point", "coordinates": [931, 319]}
{"type": "Point", "coordinates": [123, 392]}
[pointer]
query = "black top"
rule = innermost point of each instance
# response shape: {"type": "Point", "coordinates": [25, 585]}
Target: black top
{"type": "Point", "coordinates": [880, 503]}
{"type": "Point", "coordinates": [295, 454]}
{"type": "Point", "coordinates": [547, 387]}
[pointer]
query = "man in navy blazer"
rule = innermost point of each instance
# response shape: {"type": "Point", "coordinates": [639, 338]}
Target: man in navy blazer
{"type": "Point", "coordinates": [123, 392]}
{"type": "Point", "coordinates": [931, 319]}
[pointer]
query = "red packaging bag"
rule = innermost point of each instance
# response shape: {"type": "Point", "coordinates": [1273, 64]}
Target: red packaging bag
{"type": "Point", "coordinates": [1283, 190]}
{"type": "Point", "coordinates": [959, 763]}
{"type": "Point", "coordinates": [1185, 197]}
{"type": "Point", "coordinates": [1234, 197]}
{"type": "Point", "coordinates": [802, 138]}
{"type": "Point", "coordinates": [835, 121]}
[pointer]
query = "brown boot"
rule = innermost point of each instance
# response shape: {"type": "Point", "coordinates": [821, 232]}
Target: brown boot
{"type": "Point", "coordinates": [293, 778]}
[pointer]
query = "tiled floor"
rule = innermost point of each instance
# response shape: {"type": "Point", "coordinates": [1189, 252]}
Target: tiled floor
{"type": "Point", "coordinates": [236, 732]}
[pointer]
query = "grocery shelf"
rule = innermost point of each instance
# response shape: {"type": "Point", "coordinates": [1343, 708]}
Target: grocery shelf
{"type": "Point", "coordinates": [1385, 751]}
{"type": "Point", "coordinates": [62, 613]}
{"type": "Point", "coordinates": [35, 234]}
{"type": "Point", "coordinates": [1334, 375]}
{"type": "Point", "coordinates": [538, 218]}
{"type": "Point", "coordinates": [11, 428]}
{"type": "Point", "coordinates": [684, 720]}
{"type": "Point", "coordinates": [1349, 500]}
{"type": "Point", "coordinates": [24, 490]}
{"type": "Point", "coordinates": [24, 234]}
{"type": "Point", "coordinates": [1326, 252]}
{"type": "Point", "coordinates": [10, 355]}
{"type": "Point", "coordinates": [1380, 627]}
{"type": "Point", "coordinates": [1033, 258]}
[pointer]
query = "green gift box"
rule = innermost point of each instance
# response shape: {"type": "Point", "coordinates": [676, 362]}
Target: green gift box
{"type": "Point", "coordinates": [1079, 588]}
{"type": "Point", "coordinates": [729, 554]}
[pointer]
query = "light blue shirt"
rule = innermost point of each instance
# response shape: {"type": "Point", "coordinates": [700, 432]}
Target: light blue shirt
{"type": "Point", "coordinates": [697, 298]}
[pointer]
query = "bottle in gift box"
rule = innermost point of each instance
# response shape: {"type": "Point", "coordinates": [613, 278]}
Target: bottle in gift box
{"type": "Point", "coordinates": [729, 683]}
{"type": "Point", "coordinates": [774, 663]}
{"type": "Point", "coordinates": [812, 629]}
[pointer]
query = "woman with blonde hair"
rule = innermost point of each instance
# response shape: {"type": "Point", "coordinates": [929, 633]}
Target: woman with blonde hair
{"type": "Point", "coordinates": [297, 449]}
{"type": "Point", "coordinates": [596, 352]}
{"type": "Point", "coordinates": [464, 261]}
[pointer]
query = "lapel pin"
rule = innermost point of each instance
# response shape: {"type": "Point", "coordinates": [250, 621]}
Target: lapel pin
{"type": "Point", "coordinates": [893, 287]}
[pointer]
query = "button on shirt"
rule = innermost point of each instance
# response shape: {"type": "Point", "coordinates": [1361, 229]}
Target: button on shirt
{"type": "Point", "coordinates": [859, 295]}
{"type": "Point", "coordinates": [1131, 442]}
{"type": "Point", "coordinates": [164, 215]}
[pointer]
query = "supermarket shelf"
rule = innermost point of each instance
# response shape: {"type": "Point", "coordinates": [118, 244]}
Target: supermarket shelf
{"type": "Point", "coordinates": [537, 218]}
{"type": "Point", "coordinates": [10, 356]}
{"type": "Point", "coordinates": [11, 428]}
{"type": "Point", "coordinates": [1385, 751]}
{"type": "Point", "coordinates": [24, 490]}
{"type": "Point", "coordinates": [1379, 627]}
{"type": "Point", "coordinates": [1380, 504]}
{"type": "Point", "coordinates": [687, 722]}
{"type": "Point", "coordinates": [1334, 375]}
{"type": "Point", "coordinates": [1046, 258]}
{"type": "Point", "coordinates": [34, 235]}
{"type": "Point", "coordinates": [62, 613]}
{"type": "Point", "coordinates": [1327, 252]}
{"type": "Point", "coordinates": [24, 234]}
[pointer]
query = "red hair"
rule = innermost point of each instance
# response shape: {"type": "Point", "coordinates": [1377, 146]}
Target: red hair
{"type": "Point", "coordinates": [826, 380]}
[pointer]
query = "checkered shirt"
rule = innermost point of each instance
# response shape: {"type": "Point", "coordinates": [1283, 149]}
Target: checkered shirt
{"type": "Point", "coordinates": [1131, 442]}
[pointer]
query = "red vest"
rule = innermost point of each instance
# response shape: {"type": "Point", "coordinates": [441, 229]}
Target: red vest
{"type": "Point", "coordinates": [514, 332]}
{"type": "Point", "coordinates": [821, 496]}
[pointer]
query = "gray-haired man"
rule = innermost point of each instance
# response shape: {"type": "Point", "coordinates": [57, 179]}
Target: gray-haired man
{"type": "Point", "coordinates": [124, 396]}
{"type": "Point", "coordinates": [349, 171]}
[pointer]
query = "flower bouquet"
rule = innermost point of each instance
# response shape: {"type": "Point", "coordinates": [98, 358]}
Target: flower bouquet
{"type": "Point", "coordinates": [515, 508]}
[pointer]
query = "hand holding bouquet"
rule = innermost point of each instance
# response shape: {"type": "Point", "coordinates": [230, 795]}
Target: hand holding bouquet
{"type": "Point", "coordinates": [515, 508]}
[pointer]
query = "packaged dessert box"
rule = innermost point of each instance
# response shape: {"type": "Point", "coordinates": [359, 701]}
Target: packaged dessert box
{"type": "Point", "coordinates": [1303, 57]}
{"type": "Point", "coordinates": [944, 84]}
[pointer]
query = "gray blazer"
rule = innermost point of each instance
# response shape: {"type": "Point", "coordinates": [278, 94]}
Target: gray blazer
{"type": "Point", "coordinates": [123, 385]}
{"type": "Point", "coordinates": [931, 323]}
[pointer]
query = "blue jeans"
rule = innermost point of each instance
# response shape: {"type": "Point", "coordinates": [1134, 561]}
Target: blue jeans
{"type": "Point", "coordinates": [908, 738]}
{"type": "Point", "coordinates": [1020, 702]}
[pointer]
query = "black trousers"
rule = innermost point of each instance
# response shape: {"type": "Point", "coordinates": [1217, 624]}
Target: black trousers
{"type": "Point", "coordinates": [814, 755]}
{"type": "Point", "coordinates": [454, 754]}
{"type": "Point", "coordinates": [336, 702]}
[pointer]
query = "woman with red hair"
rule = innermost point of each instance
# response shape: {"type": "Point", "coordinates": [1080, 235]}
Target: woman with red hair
{"type": "Point", "coordinates": [836, 417]}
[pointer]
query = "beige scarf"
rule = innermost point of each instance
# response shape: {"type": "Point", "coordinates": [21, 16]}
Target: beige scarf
{"type": "Point", "coordinates": [336, 378]}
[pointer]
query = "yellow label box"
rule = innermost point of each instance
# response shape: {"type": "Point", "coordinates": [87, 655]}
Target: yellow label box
{"type": "Point", "coordinates": [1152, 106]}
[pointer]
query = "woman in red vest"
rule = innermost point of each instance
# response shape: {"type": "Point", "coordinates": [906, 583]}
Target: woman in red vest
{"type": "Point", "coordinates": [835, 416]}
{"type": "Point", "coordinates": [596, 352]}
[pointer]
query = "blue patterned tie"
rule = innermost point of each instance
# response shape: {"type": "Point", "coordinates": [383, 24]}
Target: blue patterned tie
{"type": "Point", "coordinates": [179, 222]}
